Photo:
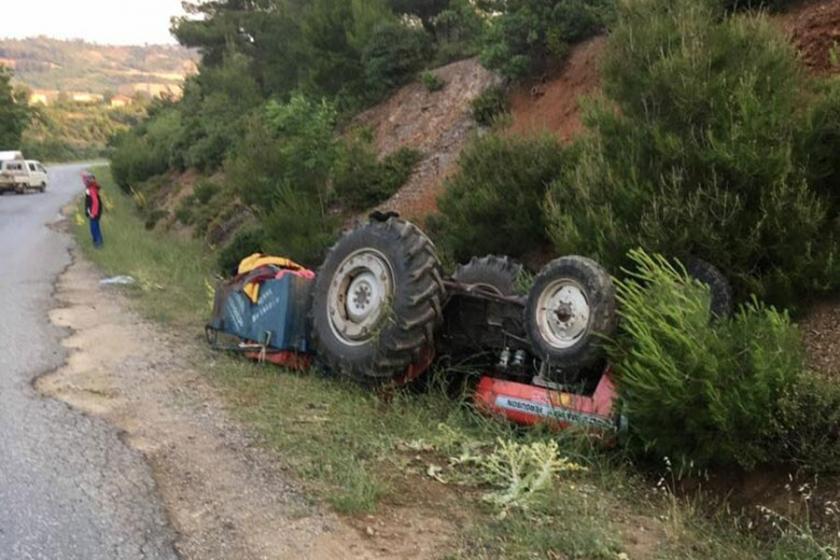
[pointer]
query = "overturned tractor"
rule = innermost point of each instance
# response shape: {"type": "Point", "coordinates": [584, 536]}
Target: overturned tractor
{"type": "Point", "coordinates": [380, 311]}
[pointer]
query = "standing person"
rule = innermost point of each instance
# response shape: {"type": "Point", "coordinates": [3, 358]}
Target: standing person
{"type": "Point", "coordinates": [93, 207]}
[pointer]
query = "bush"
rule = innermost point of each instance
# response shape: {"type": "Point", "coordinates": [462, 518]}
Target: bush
{"type": "Point", "coordinates": [205, 191]}
{"type": "Point", "coordinates": [487, 107]}
{"type": "Point", "coordinates": [361, 182]}
{"type": "Point", "coordinates": [184, 212]}
{"type": "Point", "coordinates": [432, 81]}
{"type": "Point", "coordinates": [458, 31]}
{"type": "Point", "coordinates": [154, 217]}
{"type": "Point", "coordinates": [493, 204]}
{"type": "Point", "coordinates": [821, 144]}
{"type": "Point", "coordinates": [394, 55]}
{"type": "Point", "coordinates": [529, 34]}
{"type": "Point", "coordinates": [695, 151]}
{"type": "Point", "coordinates": [297, 229]}
{"type": "Point", "coordinates": [810, 416]}
{"type": "Point", "coordinates": [290, 144]}
{"type": "Point", "coordinates": [246, 242]}
{"type": "Point", "coordinates": [701, 392]}
{"type": "Point", "coordinates": [215, 109]}
{"type": "Point", "coordinates": [146, 151]}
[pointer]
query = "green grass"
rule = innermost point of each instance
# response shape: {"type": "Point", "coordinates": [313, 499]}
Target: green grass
{"type": "Point", "coordinates": [357, 451]}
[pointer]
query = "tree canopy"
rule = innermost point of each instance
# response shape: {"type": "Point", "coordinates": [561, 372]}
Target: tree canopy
{"type": "Point", "coordinates": [14, 113]}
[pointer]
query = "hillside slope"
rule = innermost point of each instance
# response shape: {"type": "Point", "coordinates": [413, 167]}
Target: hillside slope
{"type": "Point", "coordinates": [52, 64]}
{"type": "Point", "coordinates": [438, 124]}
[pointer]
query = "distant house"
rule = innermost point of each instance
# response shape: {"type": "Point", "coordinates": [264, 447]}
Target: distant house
{"type": "Point", "coordinates": [121, 101]}
{"type": "Point", "coordinates": [86, 97]}
{"type": "Point", "coordinates": [43, 97]}
{"type": "Point", "coordinates": [159, 90]}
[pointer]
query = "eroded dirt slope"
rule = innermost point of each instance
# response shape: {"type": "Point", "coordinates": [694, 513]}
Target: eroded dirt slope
{"type": "Point", "coordinates": [438, 124]}
{"type": "Point", "coordinates": [552, 104]}
{"type": "Point", "coordinates": [814, 28]}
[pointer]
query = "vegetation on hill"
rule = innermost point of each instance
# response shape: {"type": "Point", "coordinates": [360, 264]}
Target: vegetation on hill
{"type": "Point", "coordinates": [702, 146]}
{"type": "Point", "coordinates": [14, 114]}
{"type": "Point", "coordinates": [274, 89]}
{"type": "Point", "coordinates": [64, 130]}
{"type": "Point", "coordinates": [70, 131]}
{"type": "Point", "coordinates": [53, 64]}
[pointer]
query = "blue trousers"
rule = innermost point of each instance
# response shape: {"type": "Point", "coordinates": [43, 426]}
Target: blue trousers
{"type": "Point", "coordinates": [96, 233]}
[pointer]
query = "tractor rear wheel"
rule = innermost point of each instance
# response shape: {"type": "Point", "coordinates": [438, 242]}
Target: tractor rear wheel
{"type": "Point", "coordinates": [571, 309]}
{"type": "Point", "coordinates": [500, 275]}
{"type": "Point", "coordinates": [376, 302]}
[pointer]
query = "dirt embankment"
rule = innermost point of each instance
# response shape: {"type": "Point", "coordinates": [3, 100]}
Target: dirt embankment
{"type": "Point", "coordinates": [552, 104]}
{"type": "Point", "coordinates": [438, 124]}
{"type": "Point", "coordinates": [225, 496]}
{"type": "Point", "coordinates": [814, 27]}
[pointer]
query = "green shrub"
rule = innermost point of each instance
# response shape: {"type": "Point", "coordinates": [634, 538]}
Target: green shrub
{"type": "Point", "coordinates": [694, 151]}
{"type": "Point", "coordinates": [154, 217]}
{"type": "Point", "coordinates": [205, 191]}
{"type": "Point", "coordinates": [488, 106]}
{"type": "Point", "coordinates": [184, 212]}
{"type": "Point", "coordinates": [493, 204]}
{"type": "Point", "coordinates": [289, 144]}
{"type": "Point", "coordinates": [810, 416]}
{"type": "Point", "coordinates": [821, 144]}
{"type": "Point", "coordinates": [246, 242]}
{"type": "Point", "coordinates": [214, 111]}
{"type": "Point", "coordinates": [529, 34]}
{"type": "Point", "coordinates": [700, 392]}
{"type": "Point", "coordinates": [432, 81]}
{"type": "Point", "coordinates": [360, 181]}
{"type": "Point", "coordinates": [297, 228]}
{"type": "Point", "coordinates": [394, 55]}
{"type": "Point", "coordinates": [458, 31]}
{"type": "Point", "coordinates": [148, 150]}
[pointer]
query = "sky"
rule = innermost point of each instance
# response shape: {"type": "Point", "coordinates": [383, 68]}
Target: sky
{"type": "Point", "coordinates": [119, 22]}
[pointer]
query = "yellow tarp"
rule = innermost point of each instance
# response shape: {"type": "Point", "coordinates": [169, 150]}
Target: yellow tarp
{"type": "Point", "coordinates": [257, 260]}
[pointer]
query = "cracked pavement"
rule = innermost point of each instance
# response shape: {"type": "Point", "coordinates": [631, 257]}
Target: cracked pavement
{"type": "Point", "coordinates": [69, 487]}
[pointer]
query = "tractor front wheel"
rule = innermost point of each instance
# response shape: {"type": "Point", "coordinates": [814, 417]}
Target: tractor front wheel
{"type": "Point", "coordinates": [571, 310]}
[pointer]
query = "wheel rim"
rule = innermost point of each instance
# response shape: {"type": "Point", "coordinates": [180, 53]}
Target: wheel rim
{"type": "Point", "coordinates": [563, 313]}
{"type": "Point", "coordinates": [360, 296]}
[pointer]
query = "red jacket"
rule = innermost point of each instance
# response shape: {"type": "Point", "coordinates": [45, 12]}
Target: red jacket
{"type": "Point", "coordinates": [93, 201]}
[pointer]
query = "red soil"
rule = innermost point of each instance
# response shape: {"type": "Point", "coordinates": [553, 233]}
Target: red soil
{"type": "Point", "coordinates": [552, 105]}
{"type": "Point", "coordinates": [814, 28]}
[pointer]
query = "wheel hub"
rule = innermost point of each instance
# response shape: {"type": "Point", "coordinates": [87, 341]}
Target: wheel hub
{"type": "Point", "coordinates": [359, 296]}
{"type": "Point", "coordinates": [563, 313]}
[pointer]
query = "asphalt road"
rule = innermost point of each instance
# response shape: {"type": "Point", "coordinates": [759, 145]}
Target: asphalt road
{"type": "Point", "coordinates": [69, 488]}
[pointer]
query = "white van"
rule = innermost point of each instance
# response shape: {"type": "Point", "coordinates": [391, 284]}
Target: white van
{"type": "Point", "coordinates": [37, 175]}
{"type": "Point", "coordinates": [18, 174]}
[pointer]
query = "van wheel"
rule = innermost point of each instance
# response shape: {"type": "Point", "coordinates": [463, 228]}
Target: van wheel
{"type": "Point", "coordinates": [43, 187]}
{"type": "Point", "coordinates": [20, 189]}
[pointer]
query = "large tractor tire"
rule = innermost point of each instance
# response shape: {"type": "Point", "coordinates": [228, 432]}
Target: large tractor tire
{"type": "Point", "coordinates": [376, 302]}
{"type": "Point", "coordinates": [500, 275]}
{"type": "Point", "coordinates": [721, 290]}
{"type": "Point", "coordinates": [571, 309]}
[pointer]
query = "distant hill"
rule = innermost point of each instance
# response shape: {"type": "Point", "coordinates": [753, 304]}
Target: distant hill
{"type": "Point", "coordinates": [51, 64]}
